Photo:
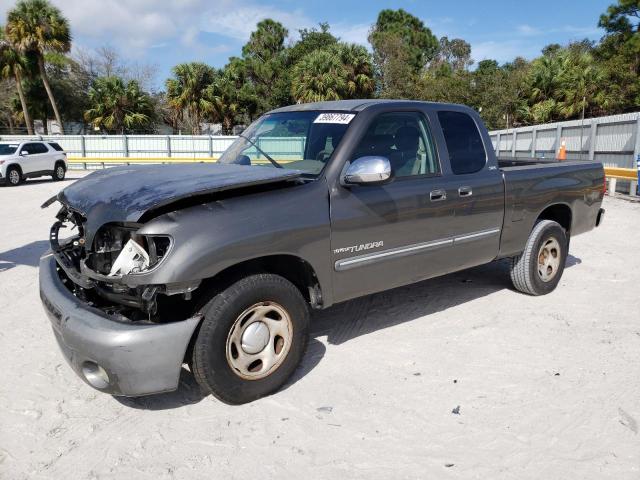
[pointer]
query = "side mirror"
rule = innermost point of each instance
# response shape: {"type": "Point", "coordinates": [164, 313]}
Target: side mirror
{"type": "Point", "coordinates": [371, 170]}
{"type": "Point", "coordinates": [23, 153]}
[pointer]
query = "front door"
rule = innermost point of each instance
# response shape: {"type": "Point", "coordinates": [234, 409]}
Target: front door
{"type": "Point", "coordinates": [385, 236]}
{"type": "Point", "coordinates": [37, 159]}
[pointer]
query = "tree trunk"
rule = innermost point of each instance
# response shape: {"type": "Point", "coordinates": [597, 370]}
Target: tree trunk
{"type": "Point", "coordinates": [227, 125]}
{"type": "Point", "coordinates": [45, 80]}
{"type": "Point", "coordinates": [23, 102]}
{"type": "Point", "coordinates": [10, 118]}
{"type": "Point", "coordinates": [196, 126]}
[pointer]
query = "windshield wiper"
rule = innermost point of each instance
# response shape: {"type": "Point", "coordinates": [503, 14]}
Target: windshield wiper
{"type": "Point", "coordinates": [273, 162]}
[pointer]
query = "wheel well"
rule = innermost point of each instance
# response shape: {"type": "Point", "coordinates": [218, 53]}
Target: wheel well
{"type": "Point", "coordinates": [16, 166]}
{"type": "Point", "coordinates": [558, 213]}
{"type": "Point", "coordinates": [295, 269]}
{"type": "Point", "coordinates": [60, 162]}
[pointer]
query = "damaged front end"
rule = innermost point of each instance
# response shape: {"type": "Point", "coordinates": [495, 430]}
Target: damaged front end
{"type": "Point", "coordinates": [105, 269]}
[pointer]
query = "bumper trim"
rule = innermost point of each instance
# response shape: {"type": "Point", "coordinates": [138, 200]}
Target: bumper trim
{"type": "Point", "coordinates": [140, 359]}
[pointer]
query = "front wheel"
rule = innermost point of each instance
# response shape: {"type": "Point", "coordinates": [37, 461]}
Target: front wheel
{"type": "Point", "coordinates": [14, 177]}
{"type": "Point", "coordinates": [252, 338]}
{"type": "Point", "coordinates": [538, 269]}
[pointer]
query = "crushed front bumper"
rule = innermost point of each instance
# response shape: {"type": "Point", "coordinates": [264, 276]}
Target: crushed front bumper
{"type": "Point", "coordinates": [116, 357]}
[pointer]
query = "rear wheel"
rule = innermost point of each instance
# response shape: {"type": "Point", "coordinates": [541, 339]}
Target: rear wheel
{"type": "Point", "coordinates": [252, 338]}
{"type": "Point", "coordinates": [59, 172]}
{"type": "Point", "coordinates": [537, 271]}
{"type": "Point", "coordinates": [14, 177]}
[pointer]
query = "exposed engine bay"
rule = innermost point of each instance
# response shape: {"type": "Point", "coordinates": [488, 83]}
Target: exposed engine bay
{"type": "Point", "coordinates": [98, 273]}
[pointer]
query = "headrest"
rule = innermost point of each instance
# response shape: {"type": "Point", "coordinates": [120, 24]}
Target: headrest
{"type": "Point", "coordinates": [406, 138]}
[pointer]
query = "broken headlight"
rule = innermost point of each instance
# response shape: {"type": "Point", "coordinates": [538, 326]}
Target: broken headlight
{"type": "Point", "coordinates": [119, 250]}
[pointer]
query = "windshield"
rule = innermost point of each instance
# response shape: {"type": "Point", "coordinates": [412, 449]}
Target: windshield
{"type": "Point", "coordinates": [294, 140]}
{"type": "Point", "coordinates": [8, 149]}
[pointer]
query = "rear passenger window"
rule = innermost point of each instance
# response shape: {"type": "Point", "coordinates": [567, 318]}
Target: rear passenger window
{"type": "Point", "coordinates": [55, 146]}
{"type": "Point", "coordinates": [466, 151]}
{"type": "Point", "coordinates": [404, 139]}
{"type": "Point", "coordinates": [34, 148]}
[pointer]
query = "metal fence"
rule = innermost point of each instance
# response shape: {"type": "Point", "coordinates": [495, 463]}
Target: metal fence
{"type": "Point", "coordinates": [613, 140]}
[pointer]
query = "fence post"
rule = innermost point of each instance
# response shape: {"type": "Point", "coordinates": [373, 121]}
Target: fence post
{"type": "Point", "coordinates": [83, 147]}
{"type": "Point", "coordinates": [169, 146]}
{"type": "Point", "coordinates": [558, 137]}
{"type": "Point", "coordinates": [636, 158]}
{"type": "Point", "coordinates": [497, 144]}
{"type": "Point", "coordinates": [593, 135]}
{"type": "Point", "coordinates": [636, 148]}
{"type": "Point", "coordinates": [125, 145]}
{"type": "Point", "coordinates": [534, 139]}
{"type": "Point", "coordinates": [210, 146]}
{"type": "Point", "coordinates": [513, 143]}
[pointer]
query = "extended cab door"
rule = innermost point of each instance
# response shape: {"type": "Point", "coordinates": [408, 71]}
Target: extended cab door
{"type": "Point", "coordinates": [383, 236]}
{"type": "Point", "coordinates": [477, 187]}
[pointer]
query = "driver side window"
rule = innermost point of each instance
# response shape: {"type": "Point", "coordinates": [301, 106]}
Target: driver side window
{"type": "Point", "coordinates": [403, 138]}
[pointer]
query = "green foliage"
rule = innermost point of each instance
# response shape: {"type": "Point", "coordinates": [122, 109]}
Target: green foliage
{"type": "Point", "coordinates": [117, 106]}
{"type": "Point", "coordinates": [187, 91]}
{"type": "Point", "coordinates": [407, 61]}
{"type": "Point", "coordinates": [339, 72]}
{"type": "Point", "coordinates": [311, 40]}
{"type": "Point", "coordinates": [265, 58]}
{"type": "Point", "coordinates": [35, 27]}
{"type": "Point", "coordinates": [416, 39]}
{"type": "Point", "coordinates": [402, 46]}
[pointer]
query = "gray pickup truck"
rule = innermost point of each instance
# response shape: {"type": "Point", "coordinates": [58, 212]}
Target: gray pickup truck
{"type": "Point", "coordinates": [218, 265]}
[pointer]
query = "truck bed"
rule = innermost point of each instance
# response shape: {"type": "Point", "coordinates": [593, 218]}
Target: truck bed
{"type": "Point", "coordinates": [532, 184]}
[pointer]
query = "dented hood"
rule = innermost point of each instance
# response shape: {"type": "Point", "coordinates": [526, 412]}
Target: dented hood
{"type": "Point", "coordinates": [124, 194]}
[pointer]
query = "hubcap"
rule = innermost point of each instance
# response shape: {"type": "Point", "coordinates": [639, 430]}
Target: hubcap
{"type": "Point", "coordinates": [255, 338]}
{"type": "Point", "coordinates": [14, 177]}
{"type": "Point", "coordinates": [60, 172]}
{"type": "Point", "coordinates": [259, 340]}
{"type": "Point", "coordinates": [548, 259]}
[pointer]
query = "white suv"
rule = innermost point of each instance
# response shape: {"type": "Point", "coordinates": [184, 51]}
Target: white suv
{"type": "Point", "coordinates": [22, 160]}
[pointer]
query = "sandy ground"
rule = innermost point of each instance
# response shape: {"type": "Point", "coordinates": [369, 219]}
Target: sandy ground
{"type": "Point", "coordinates": [547, 387]}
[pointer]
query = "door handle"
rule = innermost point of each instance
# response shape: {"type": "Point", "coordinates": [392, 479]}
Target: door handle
{"type": "Point", "coordinates": [465, 191]}
{"type": "Point", "coordinates": [438, 195]}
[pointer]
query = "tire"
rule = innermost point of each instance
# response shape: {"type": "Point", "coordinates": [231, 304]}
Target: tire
{"type": "Point", "coordinates": [59, 172]}
{"type": "Point", "coordinates": [537, 270]}
{"type": "Point", "coordinates": [225, 354]}
{"type": "Point", "coordinates": [14, 177]}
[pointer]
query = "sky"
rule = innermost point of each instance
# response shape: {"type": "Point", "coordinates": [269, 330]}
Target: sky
{"type": "Point", "coordinates": [166, 32]}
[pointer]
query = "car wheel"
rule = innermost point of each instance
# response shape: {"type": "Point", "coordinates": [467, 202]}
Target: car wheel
{"type": "Point", "coordinates": [537, 271]}
{"type": "Point", "coordinates": [59, 172]}
{"type": "Point", "coordinates": [252, 338]}
{"type": "Point", "coordinates": [14, 177]}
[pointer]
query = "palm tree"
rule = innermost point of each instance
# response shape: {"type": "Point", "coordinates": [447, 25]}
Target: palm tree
{"type": "Point", "coordinates": [12, 64]}
{"type": "Point", "coordinates": [189, 90]}
{"type": "Point", "coordinates": [37, 27]}
{"type": "Point", "coordinates": [116, 106]}
{"type": "Point", "coordinates": [581, 85]}
{"type": "Point", "coordinates": [357, 62]}
{"type": "Point", "coordinates": [338, 72]}
{"type": "Point", "coordinates": [225, 105]}
{"type": "Point", "coordinates": [318, 76]}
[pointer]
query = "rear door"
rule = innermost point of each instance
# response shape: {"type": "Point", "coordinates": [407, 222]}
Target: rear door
{"type": "Point", "coordinates": [476, 190]}
{"type": "Point", "coordinates": [383, 236]}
